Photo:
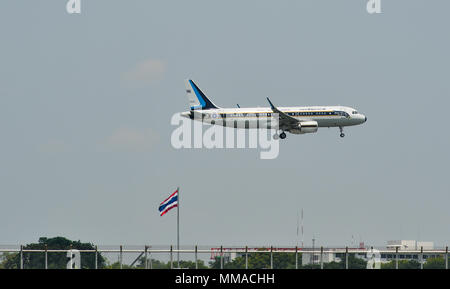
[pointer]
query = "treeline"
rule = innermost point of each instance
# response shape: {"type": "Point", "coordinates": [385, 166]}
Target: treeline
{"type": "Point", "coordinates": [255, 260]}
{"type": "Point", "coordinates": [431, 263]}
{"type": "Point", "coordinates": [283, 261]}
{"type": "Point", "coordinates": [58, 260]}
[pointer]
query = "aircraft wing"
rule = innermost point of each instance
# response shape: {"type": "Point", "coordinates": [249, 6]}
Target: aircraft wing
{"type": "Point", "coordinates": [286, 121]}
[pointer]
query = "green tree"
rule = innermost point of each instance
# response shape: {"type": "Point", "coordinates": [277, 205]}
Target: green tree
{"type": "Point", "coordinates": [334, 265]}
{"type": "Point", "coordinates": [259, 260]}
{"type": "Point", "coordinates": [6, 258]}
{"type": "Point", "coordinates": [191, 264]}
{"type": "Point", "coordinates": [435, 263]}
{"type": "Point", "coordinates": [156, 264]}
{"type": "Point", "coordinates": [56, 260]}
{"type": "Point", "coordinates": [311, 266]}
{"type": "Point", "coordinates": [354, 262]}
{"type": "Point", "coordinates": [402, 264]}
{"type": "Point", "coordinates": [116, 265]}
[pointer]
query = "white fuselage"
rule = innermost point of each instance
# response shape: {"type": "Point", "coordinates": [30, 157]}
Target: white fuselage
{"type": "Point", "coordinates": [259, 117]}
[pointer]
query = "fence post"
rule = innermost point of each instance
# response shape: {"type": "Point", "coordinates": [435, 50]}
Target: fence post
{"type": "Point", "coordinates": [321, 257]}
{"type": "Point", "coordinates": [296, 257]}
{"type": "Point", "coordinates": [271, 257]}
{"type": "Point", "coordinates": [71, 257]}
{"type": "Point", "coordinates": [446, 257]}
{"type": "Point", "coordinates": [120, 257]}
{"type": "Point", "coordinates": [21, 257]}
{"type": "Point", "coordinates": [221, 257]}
{"type": "Point", "coordinates": [346, 257]}
{"type": "Point", "coordinates": [196, 259]}
{"type": "Point", "coordinates": [146, 259]}
{"type": "Point", "coordinates": [396, 257]}
{"type": "Point", "coordinates": [246, 257]}
{"type": "Point", "coordinates": [96, 257]}
{"type": "Point", "coordinates": [421, 257]}
{"type": "Point", "coordinates": [46, 255]}
{"type": "Point", "coordinates": [171, 257]}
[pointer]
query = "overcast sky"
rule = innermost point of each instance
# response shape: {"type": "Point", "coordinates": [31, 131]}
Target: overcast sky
{"type": "Point", "coordinates": [86, 102]}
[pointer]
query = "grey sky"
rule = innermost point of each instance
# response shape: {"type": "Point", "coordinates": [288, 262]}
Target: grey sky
{"type": "Point", "coordinates": [86, 102]}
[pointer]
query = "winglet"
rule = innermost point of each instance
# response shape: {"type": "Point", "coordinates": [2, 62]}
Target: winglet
{"type": "Point", "coordinates": [271, 104]}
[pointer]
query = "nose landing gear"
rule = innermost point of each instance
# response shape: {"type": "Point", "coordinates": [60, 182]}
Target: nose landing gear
{"type": "Point", "coordinates": [281, 135]}
{"type": "Point", "coordinates": [342, 131]}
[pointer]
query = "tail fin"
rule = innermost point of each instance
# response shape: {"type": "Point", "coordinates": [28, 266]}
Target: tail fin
{"type": "Point", "coordinates": [197, 99]}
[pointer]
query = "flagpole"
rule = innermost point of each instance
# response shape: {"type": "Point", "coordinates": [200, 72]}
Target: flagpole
{"type": "Point", "coordinates": [178, 227]}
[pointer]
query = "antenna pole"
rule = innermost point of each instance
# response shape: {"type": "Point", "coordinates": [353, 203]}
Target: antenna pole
{"type": "Point", "coordinates": [302, 228]}
{"type": "Point", "coordinates": [313, 241]}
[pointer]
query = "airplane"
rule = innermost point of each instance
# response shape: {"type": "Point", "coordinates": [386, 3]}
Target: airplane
{"type": "Point", "coordinates": [296, 120]}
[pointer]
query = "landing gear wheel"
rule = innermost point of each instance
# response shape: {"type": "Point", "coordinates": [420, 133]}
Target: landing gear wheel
{"type": "Point", "coordinates": [342, 134]}
{"type": "Point", "coordinates": [283, 135]}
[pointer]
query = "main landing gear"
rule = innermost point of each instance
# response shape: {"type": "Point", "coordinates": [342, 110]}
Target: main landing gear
{"type": "Point", "coordinates": [342, 131]}
{"type": "Point", "coordinates": [282, 135]}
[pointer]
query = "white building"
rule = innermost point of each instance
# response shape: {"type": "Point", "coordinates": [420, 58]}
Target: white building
{"type": "Point", "coordinates": [407, 245]}
{"type": "Point", "coordinates": [402, 245]}
{"type": "Point", "coordinates": [309, 258]}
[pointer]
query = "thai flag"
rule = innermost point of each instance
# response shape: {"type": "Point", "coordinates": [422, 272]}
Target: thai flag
{"type": "Point", "coordinates": [170, 203]}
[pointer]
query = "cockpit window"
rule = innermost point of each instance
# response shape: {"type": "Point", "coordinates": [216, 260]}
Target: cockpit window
{"type": "Point", "coordinates": [342, 113]}
{"type": "Point", "coordinates": [354, 112]}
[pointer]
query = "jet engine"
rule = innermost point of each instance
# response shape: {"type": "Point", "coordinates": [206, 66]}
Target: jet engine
{"type": "Point", "coordinates": [305, 127]}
